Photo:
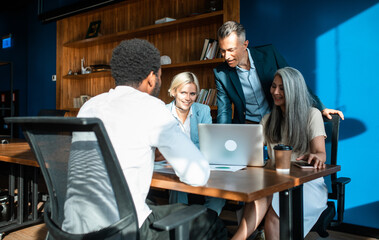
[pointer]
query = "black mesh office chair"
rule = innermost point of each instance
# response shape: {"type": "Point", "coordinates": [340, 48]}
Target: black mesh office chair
{"type": "Point", "coordinates": [52, 112]}
{"type": "Point", "coordinates": [336, 186]}
{"type": "Point", "coordinates": [89, 197]}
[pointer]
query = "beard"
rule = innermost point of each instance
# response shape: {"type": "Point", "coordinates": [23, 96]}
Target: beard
{"type": "Point", "coordinates": [157, 87]}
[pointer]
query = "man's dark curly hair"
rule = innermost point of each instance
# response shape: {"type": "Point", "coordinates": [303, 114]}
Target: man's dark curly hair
{"type": "Point", "coordinates": [133, 60]}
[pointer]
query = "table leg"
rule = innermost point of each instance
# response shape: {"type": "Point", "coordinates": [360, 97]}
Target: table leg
{"type": "Point", "coordinates": [35, 194]}
{"type": "Point", "coordinates": [20, 196]}
{"type": "Point", "coordinates": [298, 208]}
{"type": "Point", "coordinates": [291, 213]}
{"type": "Point", "coordinates": [12, 187]}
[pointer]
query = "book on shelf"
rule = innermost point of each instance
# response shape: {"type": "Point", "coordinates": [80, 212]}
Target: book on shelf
{"type": "Point", "coordinates": [209, 49]}
{"type": "Point", "coordinates": [212, 97]}
{"type": "Point", "coordinates": [202, 95]}
{"type": "Point", "coordinates": [207, 96]}
{"type": "Point", "coordinates": [164, 20]}
{"type": "Point", "coordinates": [218, 52]}
{"type": "Point", "coordinates": [205, 45]}
{"type": "Point", "coordinates": [100, 68]}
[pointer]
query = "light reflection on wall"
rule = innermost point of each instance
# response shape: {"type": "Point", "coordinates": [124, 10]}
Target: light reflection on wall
{"type": "Point", "coordinates": [347, 63]}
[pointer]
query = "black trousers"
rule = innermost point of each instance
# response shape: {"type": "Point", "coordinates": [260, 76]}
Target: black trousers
{"type": "Point", "coordinates": [206, 226]}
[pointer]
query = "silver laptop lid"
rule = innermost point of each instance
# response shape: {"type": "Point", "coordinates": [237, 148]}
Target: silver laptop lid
{"type": "Point", "coordinates": [232, 144]}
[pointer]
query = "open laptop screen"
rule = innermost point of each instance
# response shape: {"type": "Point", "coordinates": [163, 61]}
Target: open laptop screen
{"type": "Point", "coordinates": [232, 144]}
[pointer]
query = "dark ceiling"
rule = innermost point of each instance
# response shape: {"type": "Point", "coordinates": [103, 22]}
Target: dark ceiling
{"type": "Point", "coordinates": [14, 4]}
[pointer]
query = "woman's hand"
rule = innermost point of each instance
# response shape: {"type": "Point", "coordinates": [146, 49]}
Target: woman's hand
{"type": "Point", "coordinates": [326, 112]}
{"type": "Point", "coordinates": [317, 157]}
{"type": "Point", "coordinates": [314, 159]}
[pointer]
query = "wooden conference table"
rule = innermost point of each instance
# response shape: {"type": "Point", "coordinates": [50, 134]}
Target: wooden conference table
{"type": "Point", "coordinates": [244, 185]}
{"type": "Point", "coordinates": [253, 183]}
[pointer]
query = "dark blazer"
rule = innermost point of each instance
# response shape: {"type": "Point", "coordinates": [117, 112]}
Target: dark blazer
{"type": "Point", "coordinates": [267, 61]}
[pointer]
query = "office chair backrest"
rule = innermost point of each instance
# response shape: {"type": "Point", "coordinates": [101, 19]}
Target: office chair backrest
{"type": "Point", "coordinates": [336, 186]}
{"type": "Point", "coordinates": [52, 113]}
{"type": "Point", "coordinates": [89, 196]}
{"type": "Point", "coordinates": [331, 147]}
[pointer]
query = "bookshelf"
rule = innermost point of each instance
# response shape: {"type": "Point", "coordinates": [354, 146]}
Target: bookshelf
{"type": "Point", "coordinates": [7, 103]}
{"type": "Point", "coordinates": [182, 40]}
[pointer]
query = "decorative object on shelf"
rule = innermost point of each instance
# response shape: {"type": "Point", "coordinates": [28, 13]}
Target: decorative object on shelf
{"type": "Point", "coordinates": [93, 29]}
{"type": "Point", "coordinates": [69, 72]}
{"type": "Point", "coordinates": [215, 5]}
{"type": "Point", "coordinates": [79, 101]}
{"type": "Point", "coordinates": [164, 20]}
{"type": "Point", "coordinates": [100, 68]}
{"type": "Point", "coordinates": [84, 98]}
{"type": "Point", "coordinates": [165, 60]}
{"type": "Point", "coordinates": [76, 102]}
{"type": "Point", "coordinates": [85, 70]}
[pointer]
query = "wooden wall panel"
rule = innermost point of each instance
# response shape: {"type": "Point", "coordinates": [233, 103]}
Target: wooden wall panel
{"type": "Point", "coordinates": [182, 41]}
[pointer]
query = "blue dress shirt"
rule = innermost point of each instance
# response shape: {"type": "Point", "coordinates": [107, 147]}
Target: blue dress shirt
{"type": "Point", "coordinates": [256, 103]}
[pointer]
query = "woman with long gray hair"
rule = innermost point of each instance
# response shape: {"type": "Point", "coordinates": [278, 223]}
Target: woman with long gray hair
{"type": "Point", "coordinates": [293, 121]}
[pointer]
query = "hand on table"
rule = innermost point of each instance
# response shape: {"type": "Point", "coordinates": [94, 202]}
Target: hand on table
{"type": "Point", "coordinates": [313, 159]}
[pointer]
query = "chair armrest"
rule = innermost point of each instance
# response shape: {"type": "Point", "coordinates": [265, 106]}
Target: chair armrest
{"type": "Point", "coordinates": [342, 180]}
{"type": "Point", "coordinates": [340, 186]}
{"type": "Point", "coordinates": [178, 218]}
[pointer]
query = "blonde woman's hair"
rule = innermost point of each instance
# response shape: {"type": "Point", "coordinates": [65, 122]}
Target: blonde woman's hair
{"type": "Point", "coordinates": [181, 79]}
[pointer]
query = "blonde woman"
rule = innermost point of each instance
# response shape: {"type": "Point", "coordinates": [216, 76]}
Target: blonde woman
{"type": "Point", "coordinates": [185, 89]}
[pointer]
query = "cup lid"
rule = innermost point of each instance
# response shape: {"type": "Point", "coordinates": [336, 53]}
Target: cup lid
{"type": "Point", "coordinates": [282, 147]}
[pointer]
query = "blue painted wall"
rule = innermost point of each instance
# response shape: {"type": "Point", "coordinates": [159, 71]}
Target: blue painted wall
{"type": "Point", "coordinates": [335, 45]}
{"type": "Point", "coordinates": [34, 58]}
{"type": "Point", "coordinates": [14, 22]}
{"type": "Point", "coordinates": [41, 60]}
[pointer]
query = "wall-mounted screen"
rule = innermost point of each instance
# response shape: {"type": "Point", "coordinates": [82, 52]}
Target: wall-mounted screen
{"type": "Point", "coordinates": [7, 41]}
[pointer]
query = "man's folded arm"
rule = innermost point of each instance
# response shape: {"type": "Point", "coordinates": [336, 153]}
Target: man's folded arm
{"type": "Point", "coordinates": [185, 158]}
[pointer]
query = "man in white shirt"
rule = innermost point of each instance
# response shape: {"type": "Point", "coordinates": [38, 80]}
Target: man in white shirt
{"type": "Point", "coordinates": [137, 123]}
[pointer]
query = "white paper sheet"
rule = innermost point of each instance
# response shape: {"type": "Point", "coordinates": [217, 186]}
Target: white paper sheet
{"type": "Point", "coordinates": [228, 168]}
{"type": "Point", "coordinates": [163, 167]}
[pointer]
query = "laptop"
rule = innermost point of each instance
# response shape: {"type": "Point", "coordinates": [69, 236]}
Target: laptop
{"type": "Point", "coordinates": [232, 144]}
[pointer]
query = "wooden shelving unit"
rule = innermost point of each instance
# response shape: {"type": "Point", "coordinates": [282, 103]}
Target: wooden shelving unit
{"type": "Point", "coordinates": [182, 40]}
{"type": "Point", "coordinates": [152, 29]}
{"type": "Point", "coordinates": [168, 66]}
{"type": "Point", "coordinates": [90, 75]}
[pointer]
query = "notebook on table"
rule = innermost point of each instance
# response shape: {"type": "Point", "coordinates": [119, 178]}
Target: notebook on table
{"type": "Point", "coordinates": [232, 144]}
